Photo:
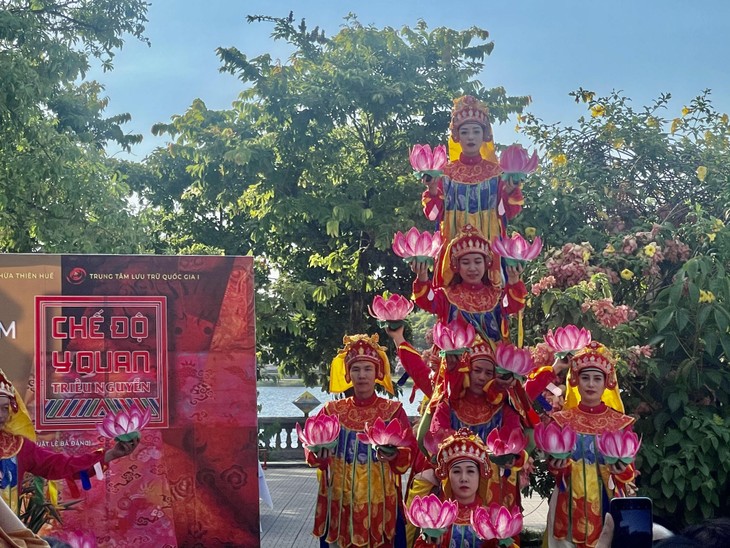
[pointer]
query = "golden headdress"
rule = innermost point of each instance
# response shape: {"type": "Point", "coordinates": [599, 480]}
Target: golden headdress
{"type": "Point", "coordinates": [470, 109]}
{"type": "Point", "coordinates": [463, 444]}
{"type": "Point", "coordinates": [594, 356]}
{"type": "Point", "coordinates": [19, 422]}
{"type": "Point", "coordinates": [468, 240]}
{"type": "Point", "coordinates": [360, 348]}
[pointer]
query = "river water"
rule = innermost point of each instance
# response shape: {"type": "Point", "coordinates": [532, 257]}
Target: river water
{"type": "Point", "coordinates": [276, 401]}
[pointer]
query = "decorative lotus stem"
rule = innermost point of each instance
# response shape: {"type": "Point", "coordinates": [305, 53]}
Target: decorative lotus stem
{"type": "Point", "coordinates": [567, 340]}
{"type": "Point", "coordinates": [431, 514]}
{"type": "Point", "coordinates": [503, 447]}
{"type": "Point", "coordinates": [417, 246]}
{"type": "Point", "coordinates": [516, 163]}
{"type": "Point", "coordinates": [125, 425]}
{"type": "Point", "coordinates": [391, 311]}
{"type": "Point", "coordinates": [387, 438]}
{"type": "Point", "coordinates": [557, 442]}
{"type": "Point", "coordinates": [455, 338]}
{"type": "Point", "coordinates": [516, 250]}
{"type": "Point", "coordinates": [618, 446]}
{"type": "Point", "coordinates": [319, 432]}
{"type": "Point", "coordinates": [497, 522]}
{"type": "Point", "coordinates": [518, 361]}
{"type": "Point", "coordinates": [426, 162]}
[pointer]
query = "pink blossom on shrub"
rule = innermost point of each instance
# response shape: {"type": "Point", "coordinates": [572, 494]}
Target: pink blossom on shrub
{"type": "Point", "coordinates": [608, 314]}
{"type": "Point", "coordinates": [542, 354]}
{"type": "Point", "coordinates": [544, 284]}
{"type": "Point", "coordinates": [676, 251]}
{"type": "Point", "coordinates": [629, 245]}
{"type": "Point", "coordinates": [569, 266]}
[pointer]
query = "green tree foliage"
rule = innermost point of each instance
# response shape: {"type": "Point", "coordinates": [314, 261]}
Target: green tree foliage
{"type": "Point", "coordinates": [59, 193]}
{"type": "Point", "coordinates": [309, 171]}
{"type": "Point", "coordinates": [634, 208]}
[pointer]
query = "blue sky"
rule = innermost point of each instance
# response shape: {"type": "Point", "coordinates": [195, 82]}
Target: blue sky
{"type": "Point", "coordinates": [543, 48]}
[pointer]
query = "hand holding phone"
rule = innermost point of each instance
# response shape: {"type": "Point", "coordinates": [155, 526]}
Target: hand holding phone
{"type": "Point", "coordinates": [632, 517]}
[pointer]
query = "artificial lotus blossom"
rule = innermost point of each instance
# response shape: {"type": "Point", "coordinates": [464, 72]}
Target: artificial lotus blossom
{"type": "Point", "coordinates": [497, 522]}
{"type": "Point", "coordinates": [385, 437]}
{"type": "Point", "coordinates": [518, 361]}
{"type": "Point", "coordinates": [567, 340]}
{"type": "Point", "coordinates": [419, 246]}
{"type": "Point", "coordinates": [319, 432]}
{"type": "Point", "coordinates": [79, 539]}
{"type": "Point", "coordinates": [621, 445]}
{"type": "Point", "coordinates": [516, 162]}
{"type": "Point", "coordinates": [516, 249]}
{"type": "Point", "coordinates": [427, 162]}
{"type": "Point", "coordinates": [557, 442]}
{"type": "Point", "coordinates": [431, 514]}
{"type": "Point", "coordinates": [503, 448]}
{"type": "Point", "coordinates": [391, 311]}
{"type": "Point", "coordinates": [125, 425]}
{"type": "Point", "coordinates": [455, 338]}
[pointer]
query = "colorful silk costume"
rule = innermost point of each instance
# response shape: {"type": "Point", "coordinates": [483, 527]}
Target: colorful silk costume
{"type": "Point", "coordinates": [586, 485]}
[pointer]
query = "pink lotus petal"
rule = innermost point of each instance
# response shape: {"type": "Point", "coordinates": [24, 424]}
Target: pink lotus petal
{"type": "Point", "coordinates": [552, 439]}
{"type": "Point", "coordinates": [394, 308]}
{"type": "Point", "coordinates": [620, 444]}
{"type": "Point", "coordinates": [517, 360]}
{"type": "Point", "coordinates": [517, 248]}
{"type": "Point", "coordinates": [430, 512]}
{"type": "Point", "coordinates": [515, 159]}
{"type": "Point", "coordinates": [568, 338]}
{"type": "Point", "coordinates": [454, 336]}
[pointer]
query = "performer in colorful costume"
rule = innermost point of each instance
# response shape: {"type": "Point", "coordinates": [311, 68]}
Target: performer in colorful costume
{"type": "Point", "coordinates": [470, 191]}
{"type": "Point", "coordinates": [462, 465]}
{"type": "Point", "coordinates": [585, 483]}
{"type": "Point", "coordinates": [19, 453]}
{"type": "Point", "coordinates": [359, 500]}
{"type": "Point", "coordinates": [473, 292]}
{"type": "Point", "coordinates": [469, 395]}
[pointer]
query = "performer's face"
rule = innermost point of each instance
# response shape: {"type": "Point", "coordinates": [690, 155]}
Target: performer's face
{"type": "Point", "coordinates": [480, 373]}
{"type": "Point", "coordinates": [362, 374]}
{"type": "Point", "coordinates": [472, 268]}
{"type": "Point", "coordinates": [591, 384]}
{"type": "Point", "coordinates": [4, 410]}
{"type": "Point", "coordinates": [471, 137]}
{"type": "Point", "coordinates": [464, 479]}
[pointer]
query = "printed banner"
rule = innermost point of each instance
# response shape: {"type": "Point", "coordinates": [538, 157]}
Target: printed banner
{"type": "Point", "coordinates": [86, 335]}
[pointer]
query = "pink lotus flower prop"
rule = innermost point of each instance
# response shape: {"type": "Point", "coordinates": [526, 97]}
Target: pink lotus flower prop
{"type": "Point", "coordinates": [621, 445]}
{"type": "Point", "coordinates": [517, 250]}
{"type": "Point", "coordinates": [427, 162]}
{"type": "Point", "coordinates": [502, 448]}
{"type": "Point", "coordinates": [432, 441]}
{"type": "Point", "coordinates": [387, 438]}
{"type": "Point", "coordinates": [79, 539]}
{"type": "Point", "coordinates": [124, 425]}
{"type": "Point", "coordinates": [516, 163]}
{"type": "Point", "coordinates": [557, 442]}
{"type": "Point", "coordinates": [518, 361]}
{"type": "Point", "coordinates": [497, 522]}
{"type": "Point", "coordinates": [391, 311]}
{"type": "Point", "coordinates": [319, 432]}
{"type": "Point", "coordinates": [567, 340]}
{"type": "Point", "coordinates": [418, 246]}
{"type": "Point", "coordinates": [455, 338]}
{"type": "Point", "coordinates": [431, 514]}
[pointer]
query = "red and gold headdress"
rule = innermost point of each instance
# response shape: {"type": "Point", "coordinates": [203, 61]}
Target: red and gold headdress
{"type": "Point", "coordinates": [468, 240]}
{"type": "Point", "coordinates": [463, 444]}
{"type": "Point", "coordinates": [19, 422]}
{"type": "Point", "coordinates": [470, 109]}
{"type": "Point", "coordinates": [594, 356]}
{"type": "Point", "coordinates": [359, 348]}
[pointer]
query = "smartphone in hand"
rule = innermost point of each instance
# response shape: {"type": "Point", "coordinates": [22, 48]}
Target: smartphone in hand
{"type": "Point", "coordinates": [632, 518]}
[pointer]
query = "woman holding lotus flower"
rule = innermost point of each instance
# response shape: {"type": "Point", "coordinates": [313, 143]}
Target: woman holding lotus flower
{"type": "Point", "coordinates": [359, 498]}
{"type": "Point", "coordinates": [598, 465]}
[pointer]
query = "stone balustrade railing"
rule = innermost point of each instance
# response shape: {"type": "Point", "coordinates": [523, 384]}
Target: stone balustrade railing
{"type": "Point", "coordinates": [281, 442]}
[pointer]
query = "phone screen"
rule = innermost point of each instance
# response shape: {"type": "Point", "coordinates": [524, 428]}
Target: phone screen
{"type": "Point", "coordinates": [632, 517]}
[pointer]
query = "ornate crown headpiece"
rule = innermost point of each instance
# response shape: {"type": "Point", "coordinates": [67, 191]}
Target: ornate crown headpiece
{"type": "Point", "coordinates": [469, 240]}
{"type": "Point", "coordinates": [481, 349]}
{"type": "Point", "coordinates": [363, 348]}
{"type": "Point", "coordinates": [594, 356]}
{"type": "Point", "coordinates": [470, 109]}
{"type": "Point", "coordinates": [464, 444]}
{"type": "Point", "coordinates": [7, 389]}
